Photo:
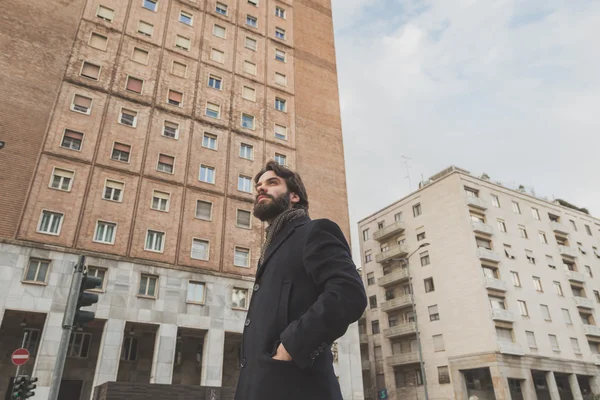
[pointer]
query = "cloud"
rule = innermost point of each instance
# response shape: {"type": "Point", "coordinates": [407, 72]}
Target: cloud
{"type": "Point", "coordinates": [506, 87]}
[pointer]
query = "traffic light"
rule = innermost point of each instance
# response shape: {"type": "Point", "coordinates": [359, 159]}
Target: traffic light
{"type": "Point", "coordinates": [19, 387]}
{"type": "Point", "coordinates": [86, 299]}
{"type": "Point", "coordinates": [29, 387]}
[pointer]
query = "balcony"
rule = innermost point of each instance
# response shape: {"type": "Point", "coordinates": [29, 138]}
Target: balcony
{"type": "Point", "coordinates": [366, 365]}
{"type": "Point", "coordinates": [591, 330]}
{"type": "Point", "coordinates": [403, 359]}
{"type": "Point", "coordinates": [557, 227]}
{"type": "Point", "coordinates": [476, 202]}
{"type": "Point", "coordinates": [389, 231]}
{"type": "Point", "coordinates": [502, 315]}
{"type": "Point", "coordinates": [398, 251]}
{"type": "Point", "coordinates": [395, 277]}
{"type": "Point", "coordinates": [488, 255]}
{"type": "Point", "coordinates": [482, 228]}
{"type": "Point", "coordinates": [400, 330]}
{"type": "Point", "coordinates": [514, 349]}
{"type": "Point", "coordinates": [364, 338]}
{"type": "Point", "coordinates": [596, 359]}
{"type": "Point", "coordinates": [567, 251]}
{"type": "Point", "coordinates": [495, 284]}
{"type": "Point", "coordinates": [584, 302]}
{"type": "Point", "coordinates": [575, 276]}
{"type": "Point", "coordinates": [397, 303]}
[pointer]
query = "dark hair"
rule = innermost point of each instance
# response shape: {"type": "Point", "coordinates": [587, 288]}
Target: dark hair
{"type": "Point", "coordinates": [292, 181]}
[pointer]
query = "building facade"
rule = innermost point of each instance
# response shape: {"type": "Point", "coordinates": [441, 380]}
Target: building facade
{"type": "Point", "coordinates": [132, 131]}
{"type": "Point", "coordinates": [506, 293]}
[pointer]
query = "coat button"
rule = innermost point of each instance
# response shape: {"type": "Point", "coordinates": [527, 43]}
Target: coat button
{"type": "Point", "coordinates": [243, 363]}
{"type": "Point", "coordinates": [247, 322]}
{"type": "Point", "coordinates": [256, 287]}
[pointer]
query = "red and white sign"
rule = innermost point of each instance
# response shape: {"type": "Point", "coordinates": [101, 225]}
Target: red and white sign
{"type": "Point", "coordinates": [20, 356]}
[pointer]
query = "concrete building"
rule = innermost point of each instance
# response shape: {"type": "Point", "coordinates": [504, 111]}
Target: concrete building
{"type": "Point", "coordinates": [132, 130]}
{"type": "Point", "coordinates": [506, 291]}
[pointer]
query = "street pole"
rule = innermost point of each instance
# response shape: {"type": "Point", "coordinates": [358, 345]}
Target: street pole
{"type": "Point", "coordinates": [25, 335]}
{"type": "Point", "coordinates": [67, 325]}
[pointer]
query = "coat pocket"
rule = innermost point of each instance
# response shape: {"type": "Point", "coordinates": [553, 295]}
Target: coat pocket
{"type": "Point", "coordinates": [282, 309]}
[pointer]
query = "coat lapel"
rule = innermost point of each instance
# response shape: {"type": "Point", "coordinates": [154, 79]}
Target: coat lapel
{"type": "Point", "coordinates": [280, 239]}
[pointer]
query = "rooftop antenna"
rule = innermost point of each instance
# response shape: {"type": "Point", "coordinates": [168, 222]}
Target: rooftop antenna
{"type": "Point", "coordinates": [406, 159]}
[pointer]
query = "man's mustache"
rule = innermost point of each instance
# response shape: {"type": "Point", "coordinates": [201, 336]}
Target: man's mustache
{"type": "Point", "coordinates": [264, 195]}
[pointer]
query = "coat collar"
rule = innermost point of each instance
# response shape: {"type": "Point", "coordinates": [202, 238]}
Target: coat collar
{"type": "Point", "coordinates": [279, 239]}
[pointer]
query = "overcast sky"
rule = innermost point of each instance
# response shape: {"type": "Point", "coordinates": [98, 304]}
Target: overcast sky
{"type": "Point", "coordinates": [506, 87]}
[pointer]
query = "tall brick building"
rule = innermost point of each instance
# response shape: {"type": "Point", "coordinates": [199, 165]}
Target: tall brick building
{"type": "Point", "coordinates": [132, 130]}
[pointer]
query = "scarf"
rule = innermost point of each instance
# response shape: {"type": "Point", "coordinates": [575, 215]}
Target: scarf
{"type": "Point", "coordinates": [278, 223]}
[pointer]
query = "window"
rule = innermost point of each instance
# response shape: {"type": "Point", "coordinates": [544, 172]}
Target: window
{"type": "Point", "coordinates": [134, 85]}
{"type": "Point", "coordinates": [417, 210]}
{"type": "Point", "coordinates": [375, 329]}
{"type": "Point", "coordinates": [241, 257]}
{"type": "Point", "coordinates": [170, 130]}
{"type": "Point", "coordinates": [523, 232]}
{"type": "Point", "coordinates": [280, 12]}
{"type": "Point", "coordinates": [79, 345]}
{"type": "Point", "coordinates": [515, 278]}
{"type": "Point", "coordinates": [429, 286]}
{"type": "Point", "coordinates": [37, 271]}
{"type": "Point", "coordinates": [160, 201]}
{"type": "Point", "coordinates": [213, 110]}
{"type": "Point", "coordinates": [501, 225]}
{"type": "Point", "coordinates": [566, 316]}
{"type": "Point", "coordinates": [129, 349]}
{"type": "Point", "coordinates": [489, 272]}
{"type": "Point", "coordinates": [588, 230]}
{"type": "Point", "coordinates": [221, 8]}
{"type": "Point", "coordinates": [175, 98]}
{"type": "Point", "coordinates": [243, 219]}
{"type": "Point", "coordinates": [280, 79]}
{"type": "Point", "coordinates": [373, 301]}
{"type": "Point", "coordinates": [438, 343]}
{"type": "Point", "coordinates": [246, 151]}
{"type": "Point", "coordinates": [504, 335]}
{"type": "Point", "coordinates": [471, 192]}
{"type": "Point", "coordinates": [249, 93]}
{"type": "Point", "coordinates": [182, 43]}
{"type": "Point", "coordinates": [120, 152]}
{"type": "Point", "coordinates": [523, 308]}
{"type": "Point", "coordinates": [433, 313]}
{"type": "Point", "coordinates": [530, 257]}
{"type": "Point", "coordinates": [280, 55]}
{"type": "Point", "coordinates": [588, 271]}
{"type": "Point", "coordinates": [219, 31]}
{"type": "Point", "coordinates": [207, 174]}
{"type": "Point", "coordinates": [537, 284]}
{"type": "Point", "coordinates": [509, 252]}
{"type": "Point", "coordinates": [280, 132]}
{"type": "Point", "coordinates": [179, 69]}
{"type": "Point", "coordinates": [253, 2]}
{"type": "Point", "coordinates": [558, 288]}
{"type": "Point", "coordinates": [98, 41]}
{"type": "Point", "coordinates": [545, 312]}
{"type": "Point", "coordinates": [531, 340]}
{"type": "Point", "coordinates": [186, 18]}
{"type": "Point", "coordinates": [154, 241]}
{"type": "Point", "coordinates": [50, 222]}
{"type": "Point", "coordinates": [280, 104]}
{"type": "Point", "coordinates": [200, 249]}
{"type": "Point", "coordinates": [140, 56]}
{"type": "Point", "coordinates": [195, 292]}
{"type": "Point", "coordinates": [421, 236]}
{"type": "Point", "coordinates": [497, 303]}
{"type": "Point", "coordinates": [128, 117]}
{"type": "Point", "coordinates": [577, 291]}
{"type": "Point", "coordinates": [145, 28]}
{"type": "Point", "coordinates": [250, 43]}
{"type": "Point", "coordinates": [98, 273]}
{"type": "Point", "coordinates": [554, 342]}
{"type": "Point", "coordinates": [165, 163]}
{"type": "Point", "coordinates": [516, 207]}
{"type": "Point", "coordinates": [105, 232]}
{"type": "Point", "coordinates": [247, 121]}
{"type": "Point", "coordinates": [62, 179]}
{"type": "Point", "coordinates": [280, 159]}
{"type": "Point", "coordinates": [251, 21]}
{"type": "Point", "coordinates": [425, 259]}
{"type": "Point", "coordinates": [71, 140]}
{"type": "Point", "coordinates": [280, 33]}
{"type": "Point", "coordinates": [81, 104]}
{"type": "Point", "coordinates": [203, 210]}
{"type": "Point", "coordinates": [543, 238]}
{"type": "Point", "coordinates": [148, 285]}
{"type": "Point", "coordinates": [573, 224]}
{"type": "Point", "coordinates": [597, 296]}
{"type": "Point", "coordinates": [113, 190]}
{"type": "Point", "coordinates": [575, 346]}
{"type": "Point", "coordinates": [89, 70]}
{"type": "Point", "coordinates": [580, 247]}
{"type": "Point", "coordinates": [217, 56]}
{"type": "Point", "coordinates": [249, 68]}
{"type": "Point", "coordinates": [495, 201]}
{"type": "Point", "coordinates": [535, 213]}
{"type": "Point", "coordinates": [105, 13]}
{"type": "Point", "coordinates": [244, 184]}
{"type": "Point", "coordinates": [209, 141]}
{"type": "Point", "coordinates": [239, 298]}
{"type": "Point", "coordinates": [483, 243]}
{"type": "Point", "coordinates": [596, 253]}
{"type": "Point", "coordinates": [371, 278]}
{"type": "Point", "coordinates": [368, 256]}
{"type": "Point", "coordinates": [365, 234]}
{"type": "Point", "coordinates": [149, 4]}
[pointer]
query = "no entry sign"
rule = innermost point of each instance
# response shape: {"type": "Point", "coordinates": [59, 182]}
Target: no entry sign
{"type": "Point", "coordinates": [20, 356]}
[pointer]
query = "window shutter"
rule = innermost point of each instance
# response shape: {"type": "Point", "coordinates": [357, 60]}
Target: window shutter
{"type": "Point", "coordinates": [146, 28]}
{"type": "Point", "coordinates": [175, 96]}
{"type": "Point", "coordinates": [164, 159]}
{"type": "Point", "coordinates": [140, 55]}
{"type": "Point", "coordinates": [182, 42]}
{"type": "Point", "coordinates": [243, 218]}
{"type": "Point", "coordinates": [179, 69]}
{"type": "Point", "coordinates": [73, 134]}
{"type": "Point", "coordinates": [98, 41]}
{"type": "Point", "coordinates": [134, 84]}
{"type": "Point", "coordinates": [122, 147]}
{"type": "Point", "coordinates": [115, 184]}
{"type": "Point", "coordinates": [90, 70]}
{"type": "Point", "coordinates": [106, 13]}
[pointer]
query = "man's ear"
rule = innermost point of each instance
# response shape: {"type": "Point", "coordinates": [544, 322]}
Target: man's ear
{"type": "Point", "coordinates": [294, 198]}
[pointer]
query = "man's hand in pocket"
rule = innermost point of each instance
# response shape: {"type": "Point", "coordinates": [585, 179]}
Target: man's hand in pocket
{"type": "Point", "coordinates": [282, 354]}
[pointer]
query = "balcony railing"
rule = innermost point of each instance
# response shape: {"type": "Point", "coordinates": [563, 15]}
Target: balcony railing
{"type": "Point", "coordinates": [495, 284]}
{"type": "Point", "coordinates": [482, 228]}
{"type": "Point", "coordinates": [394, 277]}
{"type": "Point", "coordinates": [591, 330]}
{"type": "Point", "coordinates": [567, 251]}
{"type": "Point", "coordinates": [502, 315]}
{"type": "Point", "coordinates": [399, 330]}
{"type": "Point", "coordinates": [388, 231]}
{"type": "Point", "coordinates": [559, 228]}
{"type": "Point", "coordinates": [393, 252]}
{"type": "Point", "coordinates": [584, 302]}
{"type": "Point", "coordinates": [511, 348]}
{"type": "Point", "coordinates": [402, 359]}
{"type": "Point", "coordinates": [575, 276]}
{"type": "Point", "coordinates": [477, 203]}
{"type": "Point", "coordinates": [488, 255]}
{"type": "Point", "coordinates": [366, 365]}
{"type": "Point", "coordinates": [364, 338]}
{"type": "Point", "coordinates": [396, 303]}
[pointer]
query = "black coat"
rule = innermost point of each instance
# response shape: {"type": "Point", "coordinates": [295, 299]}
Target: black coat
{"type": "Point", "coordinates": [306, 294]}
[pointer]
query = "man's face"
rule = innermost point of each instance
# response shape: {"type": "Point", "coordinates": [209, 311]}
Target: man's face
{"type": "Point", "coordinates": [272, 197]}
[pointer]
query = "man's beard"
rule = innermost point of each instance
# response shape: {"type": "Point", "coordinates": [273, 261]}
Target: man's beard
{"type": "Point", "coordinates": [268, 211]}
